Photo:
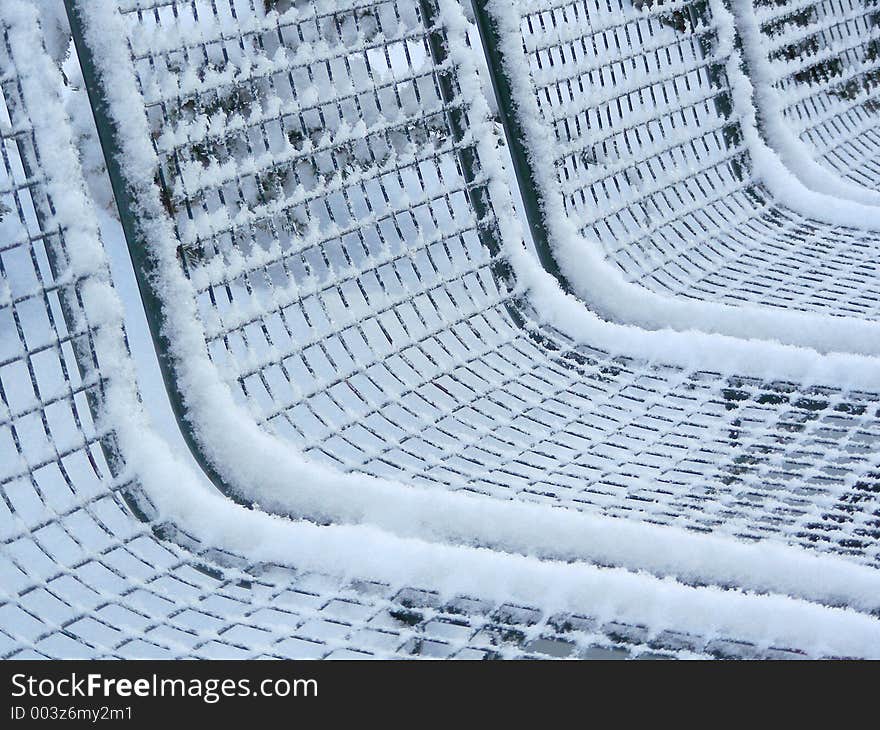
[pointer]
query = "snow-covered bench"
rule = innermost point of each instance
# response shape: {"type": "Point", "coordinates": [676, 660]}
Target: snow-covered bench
{"type": "Point", "coordinates": [663, 205]}
{"type": "Point", "coordinates": [356, 335]}
{"type": "Point", "coordinates": [821, 69]}
{"type": "Point", "coordinates": [334, 250]}
{"type": "Point", "coordinates": [87, 567]}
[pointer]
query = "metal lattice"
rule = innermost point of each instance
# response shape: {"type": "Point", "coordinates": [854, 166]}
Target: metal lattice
{"type": "Point", "coordinates": [365, 323]}
{"type": "Point", "coordinates": [85, 571]}
{"type": "Point", "coordinates": [653, 167]}
{"type": "Point", "coordinates": [825, 64]}
{"type": "Point", "coordinates": [353, 304]}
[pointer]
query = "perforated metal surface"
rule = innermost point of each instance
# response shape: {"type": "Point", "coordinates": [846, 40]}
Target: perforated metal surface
{"type": "Point", "coordinates": [352, 307]}
{"type": "Point", "coordinates": [377, 340]}
{"type": "Point", "coordinates": [825, 64]}
{"type": "Point", "coordinates": [652, 166]}
{"type": "Point", "coordinates": [85, 573]}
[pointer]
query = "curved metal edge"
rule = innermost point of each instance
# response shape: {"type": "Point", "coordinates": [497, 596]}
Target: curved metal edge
{"type": "Point", "coordinates": [142, 261]}
{"type": "Point", "coordinates": [514, 132]}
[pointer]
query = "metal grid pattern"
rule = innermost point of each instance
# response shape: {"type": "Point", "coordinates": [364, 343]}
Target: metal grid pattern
{"type": "Point", "coordinates": [825, 63]}
{"type": "Point", "coordinates": [85, 571]}
{"type": "Point", "coordinates": [652, 165]}
{"type": "Point", "coordinates": [351, 301]}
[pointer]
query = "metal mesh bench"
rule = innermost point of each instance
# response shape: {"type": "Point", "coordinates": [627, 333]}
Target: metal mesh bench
{"type": "Point", "coordinates": [824, 62]}
{"type": "Point", "coordinates": [650, 156]}
{"type": "Point", "coordinates": [331, 209]}
{"type": "Point", "coordinates": [87, 569]}
{"type": "Point", "coordinates": [385, 334]}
